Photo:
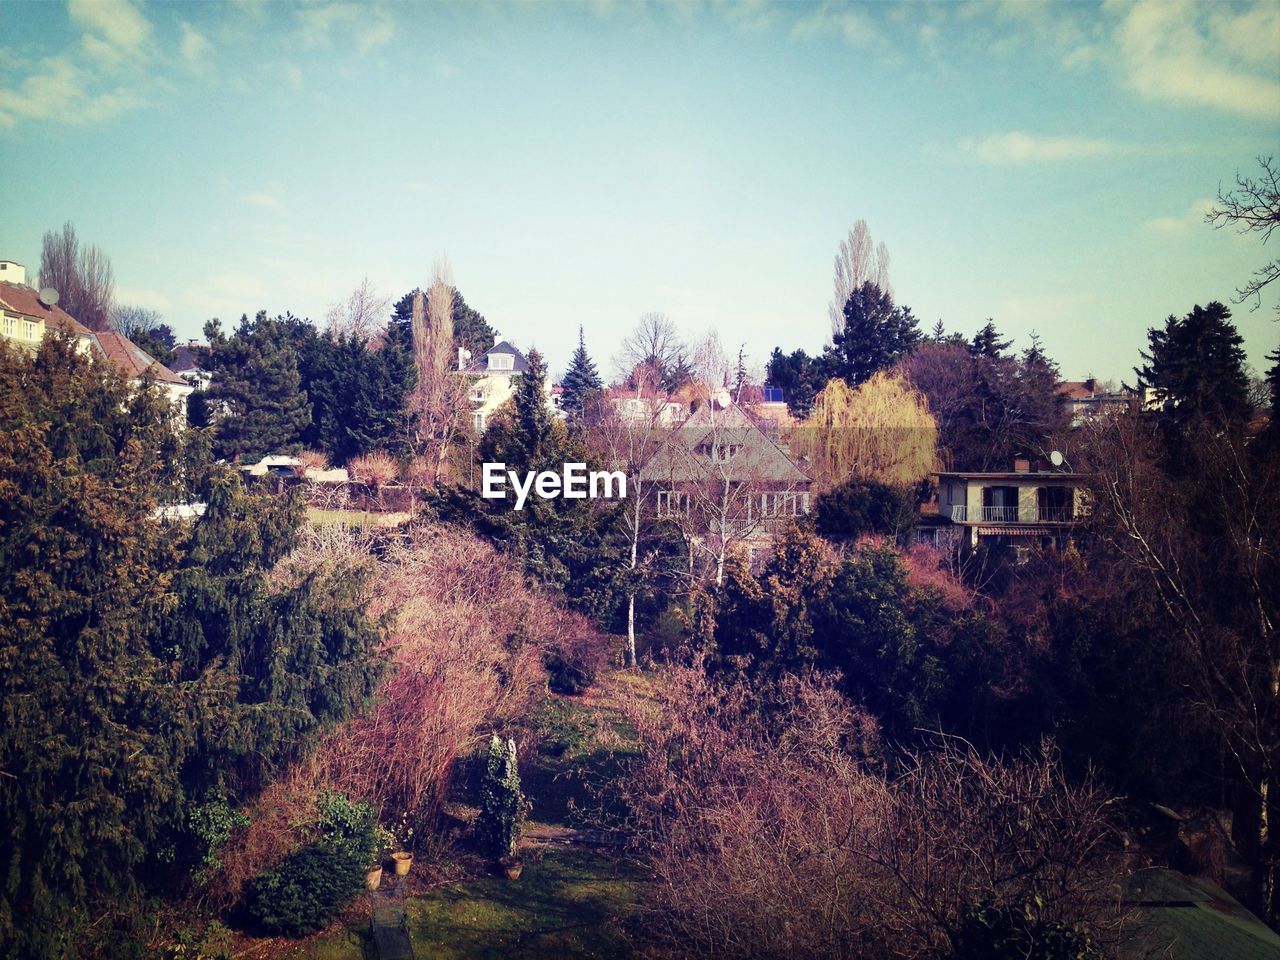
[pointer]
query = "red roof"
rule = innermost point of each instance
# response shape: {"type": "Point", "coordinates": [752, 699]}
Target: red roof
{"type": "Point", "coordinates": [131, 361]}
{"type": "Point", "coordinates": [17, 298]}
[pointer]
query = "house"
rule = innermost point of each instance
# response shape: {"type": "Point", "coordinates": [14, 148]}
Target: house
{"type": "Point", "coordinates": [188, 360]}
{"type": "Point", "coordinates": [1019, 508]}
{"type": "Point", "coordinates": [725, 481]}
{"type": "Point", "coordinates": [493, 379]}
{"type": "Point", "coordinates": [1089, 400]}
{"type": "Point", "coordinates": [644, 405]}
{"type": "Point", "coordinates": [25, 318]}
{"type": "Point", "coordinates": [28, 315]}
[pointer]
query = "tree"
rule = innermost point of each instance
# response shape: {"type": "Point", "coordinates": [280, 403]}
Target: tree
{"type": "Point", "coordinates": [741, 377]}
{"type": "Point", "coordinates": [881, 431]}
{"type": "Point", "coordinates": [1254, 207]}
{"type": "Point", "coordinates": [256, 386]}
{"type": "Point", "coordinates": [471, 331]}
{"type": "Point", "coordinates": [145, 329]}
{"type": "Point", "coordinates": [1195, 367]}
{"type": "Point", "coordinates": [988, 343]}
{"type": "Point", "coordinates": [362, 315]}
{"type": "Point", "coordinates": [799, 376]}
{"type": "Point", "coordinates": [580, 380]}
{"type": "Point", "coordinates": [82, 276]}
{"type": "Point", "coordinates": [654, 356]}
{"type": "Point", "coordinates": [858, 262]}
{"type": "Point", "coordinates": [875, 335]}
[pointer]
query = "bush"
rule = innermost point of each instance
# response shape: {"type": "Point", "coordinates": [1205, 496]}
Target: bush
{"type": "Point", "coordinates": [502, 805]}
{"type": "Point", "coordinates": [303, 894]}
{"type": "Point", "coordinates": [860, 507]}
{"type": "Point", "coordinates": [1020, 932]}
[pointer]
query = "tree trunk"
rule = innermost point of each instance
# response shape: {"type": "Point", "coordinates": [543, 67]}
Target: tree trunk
{"type": "Point", "coordinates": [630, 657]}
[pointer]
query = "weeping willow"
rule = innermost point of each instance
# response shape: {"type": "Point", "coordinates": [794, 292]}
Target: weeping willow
{"type": "Point", "coordinates": [881, 431]}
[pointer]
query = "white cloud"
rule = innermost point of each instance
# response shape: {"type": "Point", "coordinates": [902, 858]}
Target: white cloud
{"type": "Point", "coordinates": [1192, 54]}
{"type": "Point", "coordinates": [264, 200]}
{"type": "Point", "coordinates": [57, 90]}
{"type": "Point", "coordinates": [116, 34]}
{"type": "Point", "coordinates": [832, 20]}
{"type": "Point", "coordinates": [1177, 226]}
{"type": "Point", "coordinates": [371, 27]}
{"type": "Point", "coordinates": [196, 50]}
{"type": "Point", "coordinates": [1015, 147]}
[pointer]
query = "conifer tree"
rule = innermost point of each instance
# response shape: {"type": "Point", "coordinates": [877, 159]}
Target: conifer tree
{"type": "Point", "coordinates": [876, 334]}
{"type": "Point", "coordinates": [580, 380]}
{"type": "Point", "coordinates": [256, 387]}
{"type": "Point", "coordinates": [1196, 367]}
{"type": "Point", "coordinates": [987, 342]}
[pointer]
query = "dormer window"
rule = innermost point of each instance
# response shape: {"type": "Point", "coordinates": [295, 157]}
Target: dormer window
{"type": "Point", "coordinates": [501, 361]}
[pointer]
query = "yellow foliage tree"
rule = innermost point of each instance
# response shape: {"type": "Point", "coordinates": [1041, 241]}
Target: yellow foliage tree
{"type": "Point", "coordinates": [881, 430]}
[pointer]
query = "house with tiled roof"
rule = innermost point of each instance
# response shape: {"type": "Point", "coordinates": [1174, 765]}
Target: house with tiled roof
{"type": "Point", "coordinates": [26, 318]}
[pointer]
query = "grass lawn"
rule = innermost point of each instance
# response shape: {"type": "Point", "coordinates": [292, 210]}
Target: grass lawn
{"type": "Point", "coordinates": [570, 901]}
{"type": "Point", "coordinates": [355, 518]}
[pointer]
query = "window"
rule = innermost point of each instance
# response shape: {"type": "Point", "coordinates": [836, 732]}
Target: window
{"type": "Point", "coordinates": [477, 394]}
{"type": "Point", "coordinates": [29, 329]}
{"type": "Point", "coordinates": [478, 422]}
{"type": "Point", "coordinates": [783, 504]}
{"type": "Point", "coordinates": [10, 327]}
{"type": "Point", "coordinates": [672, 503]}
{"type": "Point", "coordinates": [501, 361]}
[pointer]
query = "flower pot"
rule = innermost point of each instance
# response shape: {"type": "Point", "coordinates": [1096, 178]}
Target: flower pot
{"type": "Point", "coordinates": [511, 866]}
{"type": "Point", "coordinates": [403, 860]}
{"type": "Point", "coordinates": [373, 878]}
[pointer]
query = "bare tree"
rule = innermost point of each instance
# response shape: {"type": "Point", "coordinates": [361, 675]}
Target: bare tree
{"type": "Point", "coordinates": [134, 321]}
{"type": "Point", "coordinates": [440, 395]}
{"type": "Point", "coordinates": [363, 314]}
{"type": "Point", "coordinates": [82, 275]}
{"type": "Point", "coordinates": [859, 261]}
{"type": "Point", "coordinates": [652, 352]}
{"type": "Point", "coordinates": [1254, 207]}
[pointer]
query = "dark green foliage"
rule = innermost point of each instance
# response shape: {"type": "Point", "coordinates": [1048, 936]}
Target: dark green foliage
{"type": "Point", "coordinates": [199, 413]}
{"type": "Point", "coordinates": [876, 335]}
{"type": "Point", "coordinates": [502, 804]}
{"type": "Point", "coordinates": [1021, 932]}
{"type": "Point", "coordinates": [1273, 386]}
{"type": "Point", "coordinates": [988, 343]}
{"type": "Point", "coordinates": [147, 665]}
{"type": "Point", "coordinates": [256, 390]}
{"type": "Point", "coordinates": [800, 377]}
{"type": "Point", "coordinates": [471, 331]}
{"type": "Point", "coordinates": [359, 397]}
{"type": "Point", "coordinates": [1196, 367]}
{"type": "Point", "coordinates": [858, 507]}
{"type": "Point", "coordinates": [580, 380]}
{"type": "Point", "coordinates": [314, 883]}
{"type": "Point", "coordinates": [211, 824]}
{"type": "Point", "coordinates": [159, 341]}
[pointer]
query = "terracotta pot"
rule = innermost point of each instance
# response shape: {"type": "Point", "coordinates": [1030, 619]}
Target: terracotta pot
{"type": "Point", "coordinates": [373, 879]}
{"type": "Point", "coordinates": [403, 861]}
{"type": "Point", "coordinates": [511, 866]}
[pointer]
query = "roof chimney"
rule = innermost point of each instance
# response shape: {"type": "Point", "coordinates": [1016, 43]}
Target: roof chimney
{"type": "Point", "coordinates": [11, 272]}
{"type": "Point", "coordinates": [1021, 465]}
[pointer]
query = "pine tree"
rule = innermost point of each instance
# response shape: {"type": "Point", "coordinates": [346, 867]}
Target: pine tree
{"type": "Point", "coordinates": [740, 374]}
{"type": "Point", "coordinates": [580, 380]}
{"type": "Point", "coordinates": [876, 335]}
{"type": "Point", "coordinates": [1196, 367]}
{"type": "Point", "coordinates": [987, 343]}
{"type": "Point", "coordinates": [256, 387]}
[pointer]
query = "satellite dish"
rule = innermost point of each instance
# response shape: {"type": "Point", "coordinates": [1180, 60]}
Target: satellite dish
{"type": "Point", "coordinates": [1056, 458]}
{"type": "Point", "coordinates": [48, 296]}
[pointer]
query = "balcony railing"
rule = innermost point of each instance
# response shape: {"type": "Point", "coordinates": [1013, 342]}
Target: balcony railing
{"type": "Point", "coordinates": [959, 513]}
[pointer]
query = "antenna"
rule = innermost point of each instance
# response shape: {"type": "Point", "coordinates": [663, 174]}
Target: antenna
{"type": "Point", "coordinates": [1056, 458]}
{"type": "Point", "coordinates": [48, 296]}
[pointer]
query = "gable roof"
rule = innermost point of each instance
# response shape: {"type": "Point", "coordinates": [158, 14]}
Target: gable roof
{"type": "Point", "coordinates": [686, 458]}
{"type": "Point", "coordinates": [17, 298]}
{"type": "Point", "coordinates": [519, 365]}
{"type": "Point", "coordinates": [131, 361]}
{"type": "Point", "coordinates": [185, 358]}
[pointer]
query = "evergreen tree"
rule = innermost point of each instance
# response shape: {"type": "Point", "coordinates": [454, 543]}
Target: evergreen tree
{"type": "Point", "coordinates": [256, 387]}
{"type": "Point", "coordinates": [876, 334]}
{"type": "Point", "coordinates": [1273, 383]}
{"type": "Point", "coordinates": [471, 331]}
{"type": "Point", "coordinates": [359, 397]}
{"type": "Point", "coordinates": [580, 381]}
{"type": "Point", "coordinates": [740, 373]}
{"type": "Point", "coordinates": [1196, 367]}
{"type": "Point", "coordinates": [799, 376]}
{"type": "Point", "coordinates": [987, 343]}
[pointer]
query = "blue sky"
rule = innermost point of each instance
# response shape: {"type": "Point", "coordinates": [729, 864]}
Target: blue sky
{"type": "Point", "coordinates": [1044, 165]}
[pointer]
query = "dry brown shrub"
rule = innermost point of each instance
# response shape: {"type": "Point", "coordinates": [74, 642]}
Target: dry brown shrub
{"type": "Point", "coordinates": [772, 833]}
{"type": "Point", "coordinates": [313, 460]}
{"type": "Point", "coordinates": [373, 469]}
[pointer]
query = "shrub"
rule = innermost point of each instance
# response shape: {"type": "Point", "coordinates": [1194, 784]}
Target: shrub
{"type": "Point", "coordinates": [1021, 932]}
{"type": "Point", "coordinates": [373, 469]}
{"type": "Point", "coordinates": [308, 889]}
{"type": "Point", "coordinates": [502, 805]}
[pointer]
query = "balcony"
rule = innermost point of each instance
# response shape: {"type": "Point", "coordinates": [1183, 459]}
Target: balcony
{"type": "Point", "coordinates": [999, 514]}
{"type": "Point", "coordinates": [959, 513]}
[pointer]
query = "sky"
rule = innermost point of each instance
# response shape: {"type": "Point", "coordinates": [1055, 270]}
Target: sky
{"type": "Point", "coordinates": [1047, 166]}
